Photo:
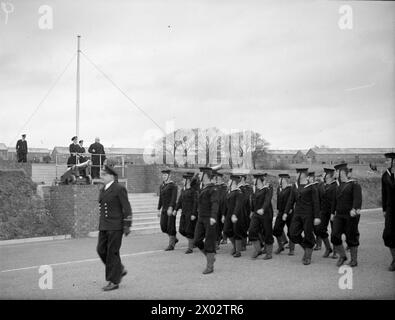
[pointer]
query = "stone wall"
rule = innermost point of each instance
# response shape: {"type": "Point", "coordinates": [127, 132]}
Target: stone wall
{"type": "Point", "coordinates": [75, 207]}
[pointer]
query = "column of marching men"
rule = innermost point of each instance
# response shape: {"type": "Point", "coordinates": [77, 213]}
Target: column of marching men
{"type": "Point", "coordinates": [213, 212]}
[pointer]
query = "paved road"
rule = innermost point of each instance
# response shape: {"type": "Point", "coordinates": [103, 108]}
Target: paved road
{"type": "Point", "coordinates": [156, 274]}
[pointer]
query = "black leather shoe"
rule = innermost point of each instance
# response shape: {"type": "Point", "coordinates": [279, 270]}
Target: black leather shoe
{"type": "Point", "coordinates": [124, 273]}
{"type": "Point", "coordinates": [341, 261]}
{"type": "Point", "coordinates": [110, 286]}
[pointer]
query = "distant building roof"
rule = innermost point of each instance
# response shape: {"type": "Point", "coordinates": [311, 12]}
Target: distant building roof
{"type": "Point", "coordinates": [30, 150]}
{"type": "Point", "coordinates": [61, 149]}
{"type": "Point", "coordinates": [124, 150]}
{"type": "Point", "coordinates": [351, 150]}
{"type": "Point", "coordinates": [3, 146]}
{"type": "Point", "coordinates": [39, 150]}
{"type": "Point", "coordinates": [282, 151]}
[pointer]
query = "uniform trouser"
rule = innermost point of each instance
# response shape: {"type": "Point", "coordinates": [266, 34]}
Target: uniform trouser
{"type": "Point", "coordinates": [187, 226]}
{"type": "Point", "coordinates": [108, 246]}
{"type": "Point", "coordinates": [247, 220]}
{"type": "Point", "coordinates": [95, 171]}
{"type": "Point", "coordinates": [168, 223]}
{"type": "Point", "coordinates": [220, 227]}
{"type": "Point", "coordinates": [22, 157]}
{"type": "Point", "coordinates": [322, 229]}
{"type": "Point", "coordinates": [389, 228]}
{"type": "Point", "coordinates": [235, 230]}
{"type": "Point", "coordinates": [261, 222]}
{"type": "Point", "coordinates": [205, 235]}
{"type": "Point", "coordinates": [305, 224]}
{"type": "Point", "coordinates": [279, 225]}
{"type": "Point", "coordinates": [345, 224]}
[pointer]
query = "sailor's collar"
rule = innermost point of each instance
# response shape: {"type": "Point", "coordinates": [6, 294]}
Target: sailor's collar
{"type": "Point", "coordinates": [208, 185]}
{"type": "Point", "coordinates": [351, 180]}
{"type": "Point", "coordinates": [310, 184]}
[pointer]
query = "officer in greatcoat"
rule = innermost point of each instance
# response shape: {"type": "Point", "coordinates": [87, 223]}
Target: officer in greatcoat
{"type": "Point", "coordinates": [98, 157]}
{"type": "Point", "coordinates": [388, 203]}
{"type": "Point", "coordinates": [115, 221]}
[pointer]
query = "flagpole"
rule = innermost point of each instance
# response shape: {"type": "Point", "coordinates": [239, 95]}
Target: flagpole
{"type": "Point", "coordinates": [77, 129]}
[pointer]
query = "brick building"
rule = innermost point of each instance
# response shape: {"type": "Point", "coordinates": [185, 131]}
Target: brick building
{"type": "Point", "coordinates": [349, 155]}
{"type": "Point", "coordinates": [3, 151]}
{"type": "Point", "coordinates": [33, 155]}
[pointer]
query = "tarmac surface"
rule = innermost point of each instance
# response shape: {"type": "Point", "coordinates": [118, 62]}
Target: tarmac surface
{"type": "Point", "coordinates": [156, 274]}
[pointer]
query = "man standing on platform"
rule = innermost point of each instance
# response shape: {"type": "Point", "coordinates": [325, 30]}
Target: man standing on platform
{"type": "Point", "coordinates": [98, 157]}
{"type": "Point", "coordinates": [21, 149]}
{"type": "Point", "coordinates": [115, 221]}
{"type": "Point", "coordinates": [74, 149]}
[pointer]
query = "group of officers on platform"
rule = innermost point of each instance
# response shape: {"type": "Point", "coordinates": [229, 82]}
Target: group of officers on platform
{"type": "Point", "coordinates": [213, 211]}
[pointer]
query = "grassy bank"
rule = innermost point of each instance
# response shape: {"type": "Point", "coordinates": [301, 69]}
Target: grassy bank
{"type": "Point", "coordinates": [22, 213]}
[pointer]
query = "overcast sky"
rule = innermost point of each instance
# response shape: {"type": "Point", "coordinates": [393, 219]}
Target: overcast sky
{"type": "Point", "coordinates": [282, 68]}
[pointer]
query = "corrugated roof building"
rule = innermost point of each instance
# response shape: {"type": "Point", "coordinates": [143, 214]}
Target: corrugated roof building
{"type": "Point", "coordinates": [349, 155]}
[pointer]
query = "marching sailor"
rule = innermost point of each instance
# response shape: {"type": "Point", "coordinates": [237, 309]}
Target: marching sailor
{"type": "Point", "coordinates": [282, 219]}
{"type": "Point", "coordinates": [234, 220]}
{"type": "Point", "coordinates": [312, 178]}
{"type": "Point", "coordinates": [187, 208]}
{"type": "Point", "coordinates": [167, 203]}
{"type": "Point", "coordinates": [327, 200]}
{"type": "Point", "coordinates": [262, 218]}
{"type": "Point", "coordinates": [222, 189]}
{"type": "Point", "coordinates": [247, 191]}
{"type": "Point", "coordinates": [388, 200]}
{"type": "Point", "coordinates": [345, 213]}
{"type": "Point", "coordinates": [304, 196]}
{"type": "Point", "coordinates": [206, 229]}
